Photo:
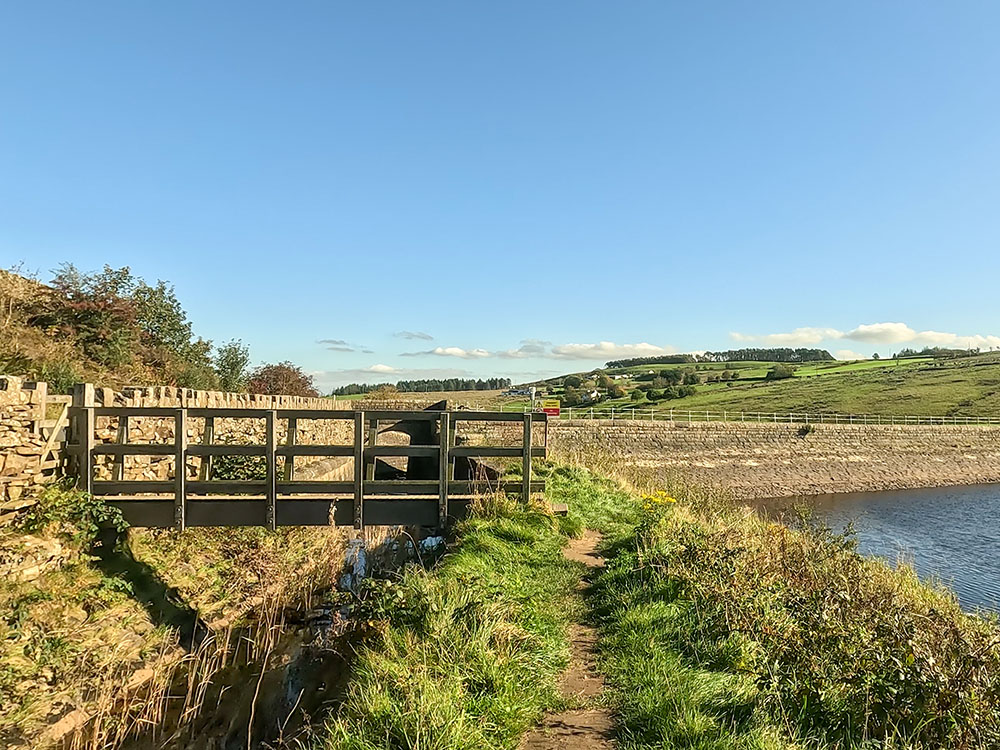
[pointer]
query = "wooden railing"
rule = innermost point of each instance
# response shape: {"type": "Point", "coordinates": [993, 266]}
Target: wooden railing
{"type": "Point", "coordinates": [281, 500]}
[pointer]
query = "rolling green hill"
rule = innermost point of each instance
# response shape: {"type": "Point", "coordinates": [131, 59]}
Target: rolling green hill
{"type": "Point", "coordinates": [964, 386]}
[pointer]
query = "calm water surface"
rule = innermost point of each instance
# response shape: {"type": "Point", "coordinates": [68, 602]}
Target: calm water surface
{"type": "Point", "coordinates": [951, 533]}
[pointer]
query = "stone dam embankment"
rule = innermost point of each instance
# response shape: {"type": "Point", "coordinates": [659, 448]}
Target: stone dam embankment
{"type": "Point", "coordinates": [758, 460]}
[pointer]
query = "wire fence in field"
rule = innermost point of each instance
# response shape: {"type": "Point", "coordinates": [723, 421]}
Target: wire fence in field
{"type": "Point", "coordinates": [700, 415]}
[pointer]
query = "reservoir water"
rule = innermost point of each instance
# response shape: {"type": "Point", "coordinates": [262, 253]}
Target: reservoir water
{"type": "Point", "coordinates": [951, 533]}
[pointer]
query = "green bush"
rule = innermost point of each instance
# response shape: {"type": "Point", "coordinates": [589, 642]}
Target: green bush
{"type": "Point", "coordinates": [780, 372]}
{"type": "Point", "coordinates": [75, 515]}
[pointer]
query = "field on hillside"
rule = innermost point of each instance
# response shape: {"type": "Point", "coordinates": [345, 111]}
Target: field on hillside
{"type": "Point", "coordinates": [967, 386]}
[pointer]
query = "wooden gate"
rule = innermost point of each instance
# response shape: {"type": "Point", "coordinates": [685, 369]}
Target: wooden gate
{"type": "Point", "coordinates": [273, 501]}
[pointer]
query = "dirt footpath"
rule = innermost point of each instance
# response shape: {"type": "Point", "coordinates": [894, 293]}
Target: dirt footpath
{"type": "Point", "coordinates": [588, 725]}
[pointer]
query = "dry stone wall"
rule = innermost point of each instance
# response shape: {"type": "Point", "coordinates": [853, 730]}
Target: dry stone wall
{"type": "Point", "coordinates": [776, 460]}
{"type": "Point", "coordinates": [230, 431]}
{"type": "Point", "coordinates": [22, 444]}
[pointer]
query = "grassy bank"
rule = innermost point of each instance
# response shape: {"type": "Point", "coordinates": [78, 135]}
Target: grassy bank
{"type": "Point", "coordinates": [92, 644]}
{"type": "Point", "coordinates": [466, 655]}
{"type": "Point", "coordinates": [724, 630]}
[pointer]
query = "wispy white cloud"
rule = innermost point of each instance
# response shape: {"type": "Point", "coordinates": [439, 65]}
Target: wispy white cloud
{"type": "Point", "coordinates": [382, 373]}
{"type": "Point", "coordinates": [538, 349]}
{"type": "Point", "coordinates": [884, 334]}
{"type": "Point", "coordinates": [339, 345]}
{"type": "Point", "coordinates": [413, 335]}
{"type": "Point", "coordinates": [848, 354]}
{"type": "Point", "coordinates": [451, 351]}
{"type": "Point", "coordinates": [608, 350]}
{"type": "Point", "coordinates": [798, 337]}
{"type": "Point", "coordinates": [528, 348]}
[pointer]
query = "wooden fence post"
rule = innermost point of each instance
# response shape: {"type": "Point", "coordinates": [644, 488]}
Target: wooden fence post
{"type": "Point", "coordinates": [526, 461]}
{"type": "Point", "coordinates": [292, 438]}
{"type": "Point", "coordinates": [372, 442]}
{"type": "Point", "coordinates": [359, 469]}
{"type": "Point", "coordinates": [118, 465]}
{"type": "Point", "coordinates": [207, 438]}
{"type": "Point", "coordinates": [270, 452]}
{"type": "Point", "coordinates": [82, 428]}
{"type": "Point", "coordinates": [443, 474]}
{"type": "Point", "coordinates": [180, 469]}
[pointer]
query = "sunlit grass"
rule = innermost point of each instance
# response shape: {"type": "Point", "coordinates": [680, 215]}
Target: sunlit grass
{"type": "Point", "coordinates": [721, 629]}
{"type": "Point", "coordinates": [468, 654]}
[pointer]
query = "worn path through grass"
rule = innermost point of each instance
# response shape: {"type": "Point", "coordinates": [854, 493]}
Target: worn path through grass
{"type": "Point", "coordinates": [586, 724]}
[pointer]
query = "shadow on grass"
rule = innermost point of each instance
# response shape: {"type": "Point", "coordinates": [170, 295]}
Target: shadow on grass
{"type": "Point", "coordinates": [162, 602]}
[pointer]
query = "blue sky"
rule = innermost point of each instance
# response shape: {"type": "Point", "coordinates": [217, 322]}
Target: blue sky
{"type": "Point", "coordinates": [531, 187]}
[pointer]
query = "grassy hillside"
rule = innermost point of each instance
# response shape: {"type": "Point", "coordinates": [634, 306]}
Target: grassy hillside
{"type": "Point", "coordinates": [966, 386]}
{"type": "Point", "coordinates": [108, 327]}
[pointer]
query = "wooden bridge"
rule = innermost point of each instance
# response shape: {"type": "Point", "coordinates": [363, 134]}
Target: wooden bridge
{"type": "Point", "coordinates": [276, 500]}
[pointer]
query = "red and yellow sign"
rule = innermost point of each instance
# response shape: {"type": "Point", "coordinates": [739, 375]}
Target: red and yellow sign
{"type": "Point", "coordinates": [551, 406]}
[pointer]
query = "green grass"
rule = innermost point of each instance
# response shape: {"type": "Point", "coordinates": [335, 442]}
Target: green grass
{"type": "Point", "coordinates": [721, 630]}
{"type": "Point", "coordinates": [467, 655]}
{"type": "Point", "coordinates": [72, 638]}
{"type": "Point", "coordinates": [968, 386]}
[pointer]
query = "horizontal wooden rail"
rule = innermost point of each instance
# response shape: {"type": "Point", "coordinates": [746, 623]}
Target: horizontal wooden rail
{"type": "Point", "coordinates": [133, 449]}
{"type": "Point", "coordinates": [402, 450]}
{"type": "Point", "coordinates": [226, 450]}
{"type": "Point", "coordinates": [279, 499]}
{"type": "Point", "coordinates": [132, 488]}
{"type": "Point", "coordinates": [133, 411]}
{"type": "Point", "coordinates": [489, 452]}
{"type": "Point", "coordinates": [314, 450]}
